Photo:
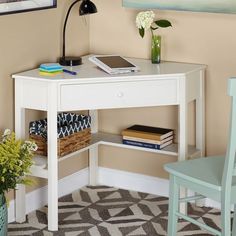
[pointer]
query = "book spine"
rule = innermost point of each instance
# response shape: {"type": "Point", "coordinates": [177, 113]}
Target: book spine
{"type": "Point", "coordinates": [145, 140]}
{"type": "Point", "coordinates": [141, 135]}
{"type": "Point", "coordinates": [141, 144]}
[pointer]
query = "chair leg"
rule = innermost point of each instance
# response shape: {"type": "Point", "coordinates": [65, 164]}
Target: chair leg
{"type": "Point", "coordinates": [225, 218]}
{"type": "Point", "coordinates": [234, 221]}
{"type": "Point", "coordinates": [173, 206]}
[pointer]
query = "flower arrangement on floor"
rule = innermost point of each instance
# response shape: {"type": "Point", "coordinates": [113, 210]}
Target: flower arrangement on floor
{"type": "Point", "coordinates": [15, 162]}
{"type": "Point", "coordinates": [145, 21]}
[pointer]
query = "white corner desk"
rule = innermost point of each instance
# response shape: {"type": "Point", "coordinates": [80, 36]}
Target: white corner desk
{"type": "Point", "coordinates": [168, 83]}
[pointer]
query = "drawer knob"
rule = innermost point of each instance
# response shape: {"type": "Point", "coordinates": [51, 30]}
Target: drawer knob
{"type": "Point", "coordinates": [120, 95]}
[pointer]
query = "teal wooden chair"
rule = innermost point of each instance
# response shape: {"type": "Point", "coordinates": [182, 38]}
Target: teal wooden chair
{"type": "Point", "coordinates": [212, 177]}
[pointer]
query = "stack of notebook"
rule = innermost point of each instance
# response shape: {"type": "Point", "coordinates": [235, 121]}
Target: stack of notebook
{"type": "Point", "coordinates": [147, 136]}
{"type": "Point", "coordinates": [50, 69]}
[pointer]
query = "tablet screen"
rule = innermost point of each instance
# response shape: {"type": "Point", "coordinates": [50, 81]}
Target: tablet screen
{"type": "Point", "coordinates": [115, 62]}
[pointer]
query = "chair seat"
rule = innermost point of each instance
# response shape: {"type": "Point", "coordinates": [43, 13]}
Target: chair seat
{"type": "Point", "coordinates": [206, 171]}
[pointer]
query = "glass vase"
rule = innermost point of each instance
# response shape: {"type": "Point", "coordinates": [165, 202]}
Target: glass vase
{"type": "Point", "coordinates": [156, 49]}
{"type": "Point", "coordinates": [3, 215]}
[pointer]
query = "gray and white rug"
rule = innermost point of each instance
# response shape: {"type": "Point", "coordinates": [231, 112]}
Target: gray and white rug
{"type": "Point", "coordinates": [106, 211]}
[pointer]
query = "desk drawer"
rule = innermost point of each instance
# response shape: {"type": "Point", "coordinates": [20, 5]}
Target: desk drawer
{"type": "Point", "coordinates": [118, 95]}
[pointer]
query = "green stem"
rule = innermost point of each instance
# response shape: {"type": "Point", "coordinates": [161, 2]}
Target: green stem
{"type": "Point", "coordinates": [152, 32]}
{"type": "Point", "coordinates": [156, 49]}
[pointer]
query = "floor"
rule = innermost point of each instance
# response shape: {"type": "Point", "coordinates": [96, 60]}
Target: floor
{"type": "Point", "coordinates": [107, 211]}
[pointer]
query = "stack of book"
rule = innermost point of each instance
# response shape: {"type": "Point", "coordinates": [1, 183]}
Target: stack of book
{"type": "Point", "coordinates": [50, 69]}
{"type": "Point", "coordinates": [147, 136]}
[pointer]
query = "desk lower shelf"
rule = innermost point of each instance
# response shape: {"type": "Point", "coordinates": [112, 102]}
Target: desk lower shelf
{"type": "Point", "coordinates": [39, 169]}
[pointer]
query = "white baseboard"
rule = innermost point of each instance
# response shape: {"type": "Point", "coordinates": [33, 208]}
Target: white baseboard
{"type": "Point", "coordinates": [133, 181]}
{"type": "Point", "coordinates": [106, 176]}
{"type": "Point", "coordinates": [141, 183]}
{"type": "Point", "coordinates": [38, 198]}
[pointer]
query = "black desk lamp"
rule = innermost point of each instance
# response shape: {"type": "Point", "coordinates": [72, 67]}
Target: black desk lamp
{"type": "Point", "coordinates": [86, 7]}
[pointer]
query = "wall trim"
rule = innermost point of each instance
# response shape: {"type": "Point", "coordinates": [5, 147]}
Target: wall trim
{"type": "Point", "coordinates": [106, 176]}
{"type": "Point", "coordinates": [38, 198]}
{"type": "Point", "coordinates": [133, 181]}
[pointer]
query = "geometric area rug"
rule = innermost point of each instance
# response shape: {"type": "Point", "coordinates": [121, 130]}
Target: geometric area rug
{"type": "Point", "coordinates": [108, 211]}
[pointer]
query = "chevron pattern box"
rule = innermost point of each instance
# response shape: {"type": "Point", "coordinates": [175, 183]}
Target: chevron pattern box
{"type": "Point", "coordinates": [73, 133]}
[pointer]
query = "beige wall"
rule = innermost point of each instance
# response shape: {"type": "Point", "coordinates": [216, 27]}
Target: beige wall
{"type": "Point", "coordinates": [28, 39]}
{"type": "Point", "coordinates": [195, 37]}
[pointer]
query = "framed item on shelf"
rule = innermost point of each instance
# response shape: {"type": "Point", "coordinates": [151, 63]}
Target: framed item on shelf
{"type": "Point", "coordinates": [218, 6]}
{"type": "Point", "coordinates": [17, 6]}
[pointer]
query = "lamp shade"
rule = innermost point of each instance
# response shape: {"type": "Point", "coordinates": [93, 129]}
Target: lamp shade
{"type": "Point", "coordinates": [87, 7]}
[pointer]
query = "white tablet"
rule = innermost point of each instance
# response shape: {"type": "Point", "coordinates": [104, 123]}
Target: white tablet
{"type": "Point", "coordinates": [114, 64]}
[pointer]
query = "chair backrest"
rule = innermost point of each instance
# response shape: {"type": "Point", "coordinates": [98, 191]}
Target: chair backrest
{"type": "Point", "coordinates": [229, 167]}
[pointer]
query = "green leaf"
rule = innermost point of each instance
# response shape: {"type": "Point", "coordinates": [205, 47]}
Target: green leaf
{"type": "Point", "coordinates": [142, 32]}
{"type": "Point", "coordinates": [154, 28]}
{"type": "Point", "coordinates": [163, 23]}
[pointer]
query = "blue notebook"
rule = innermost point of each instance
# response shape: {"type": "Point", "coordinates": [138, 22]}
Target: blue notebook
{"type": "Point", "coordinates": [147, 145]}
{"type": "Point", "coordinates": [50, 66]}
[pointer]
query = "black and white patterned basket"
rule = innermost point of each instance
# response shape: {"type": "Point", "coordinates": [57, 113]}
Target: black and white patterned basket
{"type": "Point", "coordinates": [73, 133]}
{"type": "Point", "coordinates": [67, 124]}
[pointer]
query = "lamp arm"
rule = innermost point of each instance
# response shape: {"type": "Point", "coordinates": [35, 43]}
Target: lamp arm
{"type": "Point", "coordinates": [64, 28]}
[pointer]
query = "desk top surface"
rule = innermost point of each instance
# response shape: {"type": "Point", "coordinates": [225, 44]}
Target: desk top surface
{"type": "Point", "coordinates": [90, 72]}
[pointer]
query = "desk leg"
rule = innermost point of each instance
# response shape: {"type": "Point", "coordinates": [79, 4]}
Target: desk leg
{"type": "Point", "coordinates": [20, 208]}
{"type": "Point", "coordinates": [200, 125]}
{"type": "Point", "coordinates": [52, 160]}
{"type": "Point", "coordinates": [200, 117]}
{"type": "Point", "coordinates": [93, 151]}
{"type": "Point", "coordinates": [93, 165]}
{"type": "Point", "coordinates": [183, 136]}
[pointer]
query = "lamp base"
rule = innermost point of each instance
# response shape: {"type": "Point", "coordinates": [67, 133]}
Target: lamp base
{"type": "Point", "coordinates": [70, 61]}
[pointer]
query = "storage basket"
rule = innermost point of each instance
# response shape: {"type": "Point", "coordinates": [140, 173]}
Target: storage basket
{"type": "Point", "coordinates": [73, 133]}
